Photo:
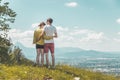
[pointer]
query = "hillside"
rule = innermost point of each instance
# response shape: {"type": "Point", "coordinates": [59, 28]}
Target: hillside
{"type": "Point", "coordinates": [21, 72]}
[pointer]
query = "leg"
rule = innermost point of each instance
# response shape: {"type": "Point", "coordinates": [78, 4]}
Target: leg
{"type": "Point", "coordinates": [42, 57]}
{"type": "Point", "coordinates": [38, 55]}
{"type": "Point", "coordinates": [47, 59]}
{"type": "Point", "coordinates": [46, 53]}
{"type": "Point", "coordinates": [53, 59]}
{"type": "Point", "coordinates": [52, 54]}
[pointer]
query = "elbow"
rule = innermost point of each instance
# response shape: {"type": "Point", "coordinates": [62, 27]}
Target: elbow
{"type": "Point", "coordinates": [56, 36]}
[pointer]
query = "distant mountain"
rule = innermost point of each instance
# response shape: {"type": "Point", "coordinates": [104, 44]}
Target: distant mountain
{"type": "Point", "coordinates": [30, 53]}
{"type": "Point", "coordinates": [68, 52]}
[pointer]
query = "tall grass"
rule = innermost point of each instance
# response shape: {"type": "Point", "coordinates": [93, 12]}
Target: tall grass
{"type": "Point", "coordinates": [61, 72]}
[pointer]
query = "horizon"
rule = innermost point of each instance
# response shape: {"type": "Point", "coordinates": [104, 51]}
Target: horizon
{"type": "Point", "coordinates": [89, 25]}
{"type": "Point", "coordinates": [20, 45]}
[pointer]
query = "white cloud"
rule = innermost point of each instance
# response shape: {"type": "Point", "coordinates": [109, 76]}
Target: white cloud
{"type": "Point", "coordinates": [86, 39]}
{"type": "Point", "coordinates": [71, 4]}
{"type": "Point", "coordinates": [71, 37]}
{"type": "Point", "coordinates": [35, 25]}
{"type": "Point", "coordinates": [118, 21]}
{"type": "Point", "coordinates": [78, 33]}
{"type": "Point", "coordinates": [59, 28]}
{"type": "Point", "coordinates": [77, 37]}
{"type": "Point", "coordinates": [117, 40]}
{"type": "Point", "coordinates": [95, 35]}
{"type": "Point", "coordinates": [118, 33]}
{"type": "Point", "coordinates": [25, 37]}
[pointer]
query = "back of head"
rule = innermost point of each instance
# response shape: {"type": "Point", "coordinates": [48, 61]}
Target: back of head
{"type": "Point", "coordinates": [50, 20]}
{"type": "Point", "coordinates": [41, 24]}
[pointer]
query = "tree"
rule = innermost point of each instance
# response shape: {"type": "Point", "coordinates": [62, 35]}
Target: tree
{"type": "Point", "coordinates": [7, 16]}
{"type": "Point", "coordinates": [17, 57]}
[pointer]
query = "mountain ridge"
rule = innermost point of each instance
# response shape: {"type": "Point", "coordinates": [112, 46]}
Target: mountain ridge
{"type": "Point", "coordinates": [66, 52]}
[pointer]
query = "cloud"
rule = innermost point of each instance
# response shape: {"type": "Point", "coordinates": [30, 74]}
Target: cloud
{"type": "Point", "coordinates": [66, 35]}
{"type": "Point", "coordinates": [118, 21]}
{"type": "Point", "coordinates": [78, 33]}
{"type": "Point", "coordinates": [72, 4]}
{"type": "Point", "coordinates": [86, 39]}
{"type": "Point", "coordinates": [77, 37]}
{"type": "Point", "coordinates": [118, 33]}
{"type": "Point", "coordinates": [25, 37]}
{"type": "Point", "coordinates": [35, 25]}
{"type": "Point", "coordinates": [71, 37]}
{"type": "Point", "coordinates": [95, 35]}
{"type": "Point", "coordinates": [117, 39]}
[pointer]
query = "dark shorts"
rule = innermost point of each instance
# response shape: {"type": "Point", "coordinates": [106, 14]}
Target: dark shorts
{"type": "Point", "coordinates": [39, 46]}
{"type": "Point", "coordinates": [49, 46]}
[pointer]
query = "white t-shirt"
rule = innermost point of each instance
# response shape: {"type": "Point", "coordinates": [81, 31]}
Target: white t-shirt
{"type": "Point", "coordinates": [50, 30]}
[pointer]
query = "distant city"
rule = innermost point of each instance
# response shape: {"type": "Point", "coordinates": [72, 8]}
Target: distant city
{"type": "Point", "coordinates": [105, 65]}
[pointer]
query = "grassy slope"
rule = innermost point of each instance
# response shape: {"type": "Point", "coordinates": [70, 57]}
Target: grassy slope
{"type": "Point", "coordinates": [36, 73]}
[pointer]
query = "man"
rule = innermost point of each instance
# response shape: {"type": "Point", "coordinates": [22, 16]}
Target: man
{"type": "Point", "coordinates": [50, 30]}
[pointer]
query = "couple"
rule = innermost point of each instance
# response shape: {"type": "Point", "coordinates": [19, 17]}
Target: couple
{"type": "Point", "coordinates": [44, 40]}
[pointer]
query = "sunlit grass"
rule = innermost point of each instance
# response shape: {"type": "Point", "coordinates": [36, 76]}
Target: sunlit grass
{"type": "Point", "coordinates": [22, 72]}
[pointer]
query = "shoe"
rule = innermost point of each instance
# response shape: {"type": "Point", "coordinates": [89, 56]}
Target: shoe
{"type": "Point", "coordinates": [48, 66]}
{"type": "Point", "coordinates": [34, 64]}
{"type": "Point", "coordinates": [53, 67]}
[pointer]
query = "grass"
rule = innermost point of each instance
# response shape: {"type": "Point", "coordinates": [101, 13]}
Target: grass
{"type": "Point", "coordinates": [62, 72]}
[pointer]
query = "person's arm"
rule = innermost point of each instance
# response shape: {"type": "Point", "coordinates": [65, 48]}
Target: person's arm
{"type": "Point", "coordinates": [55, 33]}
{"type": "Point", "coordinates": [47, 37]}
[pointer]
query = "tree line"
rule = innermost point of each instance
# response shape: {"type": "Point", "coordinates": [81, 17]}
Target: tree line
{"type": "Point", "coordinates": [9, 53]}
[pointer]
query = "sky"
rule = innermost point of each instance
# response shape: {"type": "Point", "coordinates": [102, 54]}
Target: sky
{"type": "Point", "coordinates": [86, 24]}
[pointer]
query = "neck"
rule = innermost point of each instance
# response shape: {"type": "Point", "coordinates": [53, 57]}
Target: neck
{"type": "Point", "coordinates": [49, 24]}
{"type": "Point", "coordinates": [40, 27]}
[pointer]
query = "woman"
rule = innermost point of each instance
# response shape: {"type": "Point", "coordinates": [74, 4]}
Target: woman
{"type": "Point", "coordinates": [39, 41]}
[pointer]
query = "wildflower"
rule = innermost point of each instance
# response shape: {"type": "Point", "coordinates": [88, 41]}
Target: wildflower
{"type": "Point", "coordinates": [76, 78]}
{"type": "Point", "coordinates": [25, 72]}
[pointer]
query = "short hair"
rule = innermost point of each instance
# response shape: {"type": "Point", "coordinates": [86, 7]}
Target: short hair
{"type": "Point", "coordinates": [42, 23]}
{"type": "Point", "coordinates": [50, 20]}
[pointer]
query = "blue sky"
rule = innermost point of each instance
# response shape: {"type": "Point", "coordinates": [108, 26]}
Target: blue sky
{"type": "Point", "coordinates": [88, 24]}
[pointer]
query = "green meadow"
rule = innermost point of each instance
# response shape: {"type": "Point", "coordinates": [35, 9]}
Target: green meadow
{"type": "Point", "coordinates": [61, 72]}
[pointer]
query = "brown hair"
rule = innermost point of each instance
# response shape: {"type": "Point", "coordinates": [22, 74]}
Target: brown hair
{"type": "Point", "coordinates": [42, 23]}
{"type": "Point", "coordinates": [50, 20]}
